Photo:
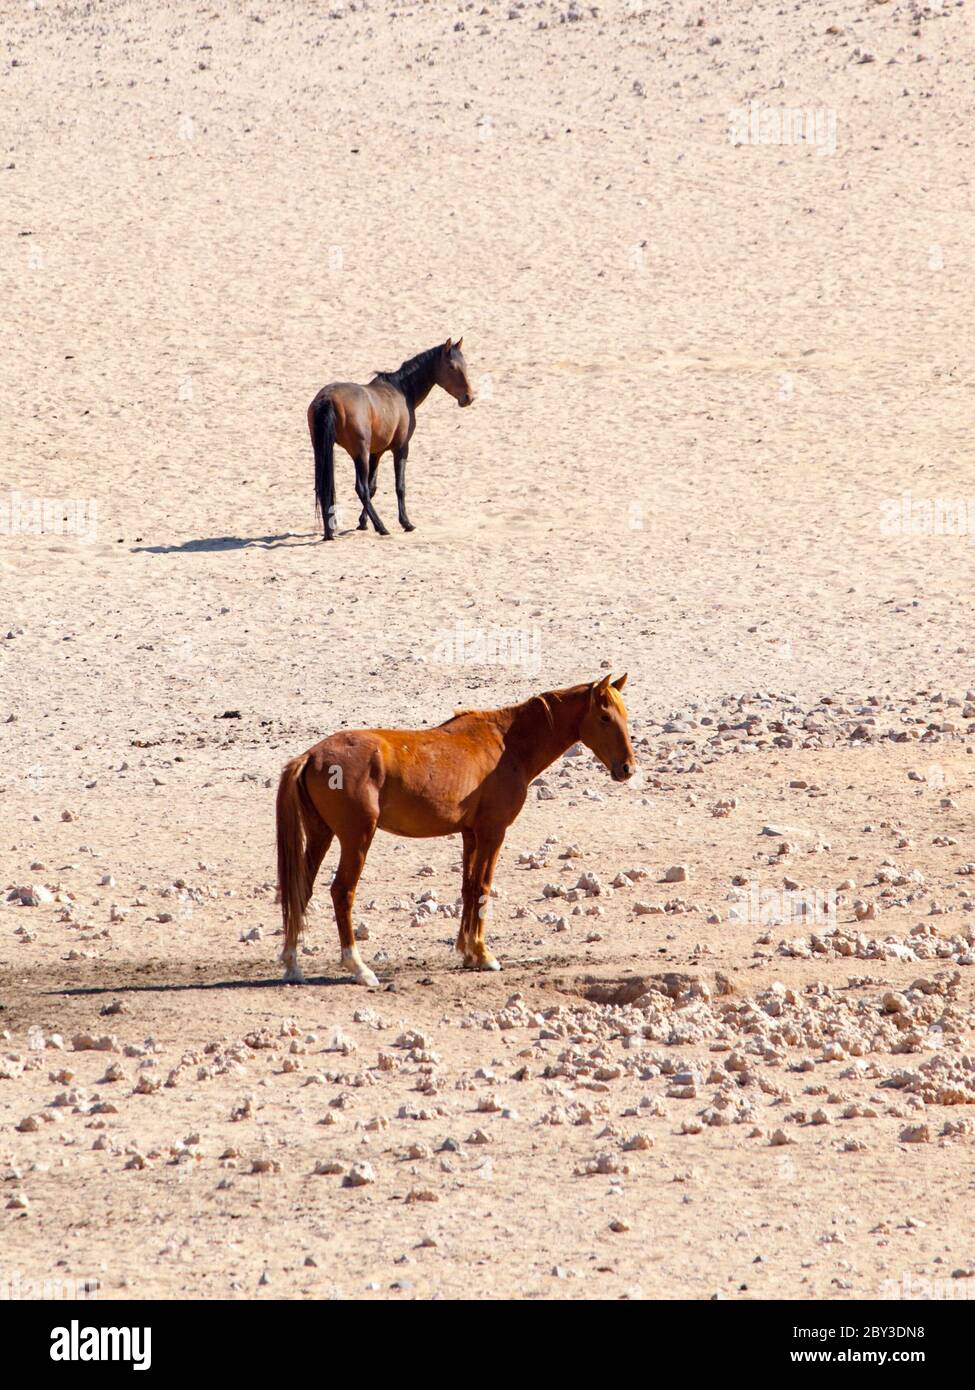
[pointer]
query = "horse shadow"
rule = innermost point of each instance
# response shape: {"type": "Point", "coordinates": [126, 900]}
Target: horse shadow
{"type": "Point", "coordinates": [184, 986]}
{"type": "Point", "coordinates": [287, 540]}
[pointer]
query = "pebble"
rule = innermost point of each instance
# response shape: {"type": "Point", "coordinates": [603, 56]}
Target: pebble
{"type": "Point", "coordinates": [638, 1142]}
{"type": "Point", "coordinates": [359, 1175]}
{"type": "Point", "coordinates": [916, 1134]}
{"type": "Point", "coordinates": [86, 1042]}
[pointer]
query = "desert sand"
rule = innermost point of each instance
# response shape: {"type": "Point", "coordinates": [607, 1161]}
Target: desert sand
{"type": "Point", "coordinates": [721, 441]}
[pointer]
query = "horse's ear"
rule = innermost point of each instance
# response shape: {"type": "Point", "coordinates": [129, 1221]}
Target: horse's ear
{"type": "Point", "coordinates": [446, 347]}
{"type": "Point", "coordinates": [619, 684]}
{"type": "Point", "coordinates": [459, 343]}
{"type": "Point", "coordinates": [601, 686]}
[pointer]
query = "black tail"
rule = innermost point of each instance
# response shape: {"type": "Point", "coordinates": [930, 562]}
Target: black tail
{"type": "Point", "coordinates": [323, 442]}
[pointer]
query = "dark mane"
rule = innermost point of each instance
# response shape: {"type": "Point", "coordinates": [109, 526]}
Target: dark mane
{"type": "Point", "coordinates": [415, 376]}
{"type": "Point", "coordinates": [547, 699]}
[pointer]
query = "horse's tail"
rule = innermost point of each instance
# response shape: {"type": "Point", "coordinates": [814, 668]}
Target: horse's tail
{"type": "Point", "coordinates": [321, 419]}
{"type": "Point", "coordinates": [293, 885]}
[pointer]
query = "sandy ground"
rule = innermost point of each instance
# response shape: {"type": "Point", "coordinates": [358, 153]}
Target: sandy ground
{"type": "Point", "coordinates": [721, 441]}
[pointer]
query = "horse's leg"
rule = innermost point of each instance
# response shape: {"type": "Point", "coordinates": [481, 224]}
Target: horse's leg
{"type": "Point", "coordinates": [468, 838]}
{"type": "Point", "coordinates": [373, 468]}
{"type": "Point", "coordinates": [355, 846]}
{"type": "Point", "coordinates": [362, 491]}
{"type": "Point", "coordinates": [317, 840]}
{"type": "Point", "coordinates": [316, 848]}
{"type": "Point", "coordinates": [399, 464]}
{"type": "Point", "coordinates": [486, 852]}
{"type": "Point", "coordinates": [468, 925]}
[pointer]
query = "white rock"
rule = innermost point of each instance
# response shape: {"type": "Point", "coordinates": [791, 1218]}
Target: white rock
{"type": "Point", "coordinates": [359, 1175]}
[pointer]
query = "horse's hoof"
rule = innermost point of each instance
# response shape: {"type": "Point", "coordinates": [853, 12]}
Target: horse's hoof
{"type": "Point", "coordinates": [293, 974]}
{"type": "Point", "coordinates": [408, 526]}
{"type": "Point", "coordinates": [481, 963]}
{"type": "Point", "coordinates": [327, 537]}
{"type": "Point", "coordinates": [361, 974]}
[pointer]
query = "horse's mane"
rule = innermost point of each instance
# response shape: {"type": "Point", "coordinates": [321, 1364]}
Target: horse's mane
{"type": "Point", "coordinates": [414, 375]}
{"type": "Point", "coordinates": [474, 713]}
{"type": "Point", "coordinates": [544, 699]}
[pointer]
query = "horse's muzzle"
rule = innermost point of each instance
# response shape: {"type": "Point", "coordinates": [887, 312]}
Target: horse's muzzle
{"type": "Point", "coordinates": [465, 400]}
{"type": "Point", "coordinates": [622, 772]}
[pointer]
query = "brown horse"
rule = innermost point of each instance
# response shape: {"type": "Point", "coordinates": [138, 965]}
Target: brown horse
{"type": "Point", "coordinates": [368, 420]}
{"type": "Point", "coordinates": [468, 776]}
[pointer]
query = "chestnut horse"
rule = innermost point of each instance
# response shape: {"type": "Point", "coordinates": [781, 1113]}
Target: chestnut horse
{"type": "Point", "coordinates": [368, 420]}
{"type": "Point", "coordinates": [468, 776]}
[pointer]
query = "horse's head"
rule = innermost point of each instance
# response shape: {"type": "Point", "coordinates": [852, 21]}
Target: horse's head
{"type": "Point", "coordinates": [452, 373]}
{"type": "Point", "coordinates": [604, 728]}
